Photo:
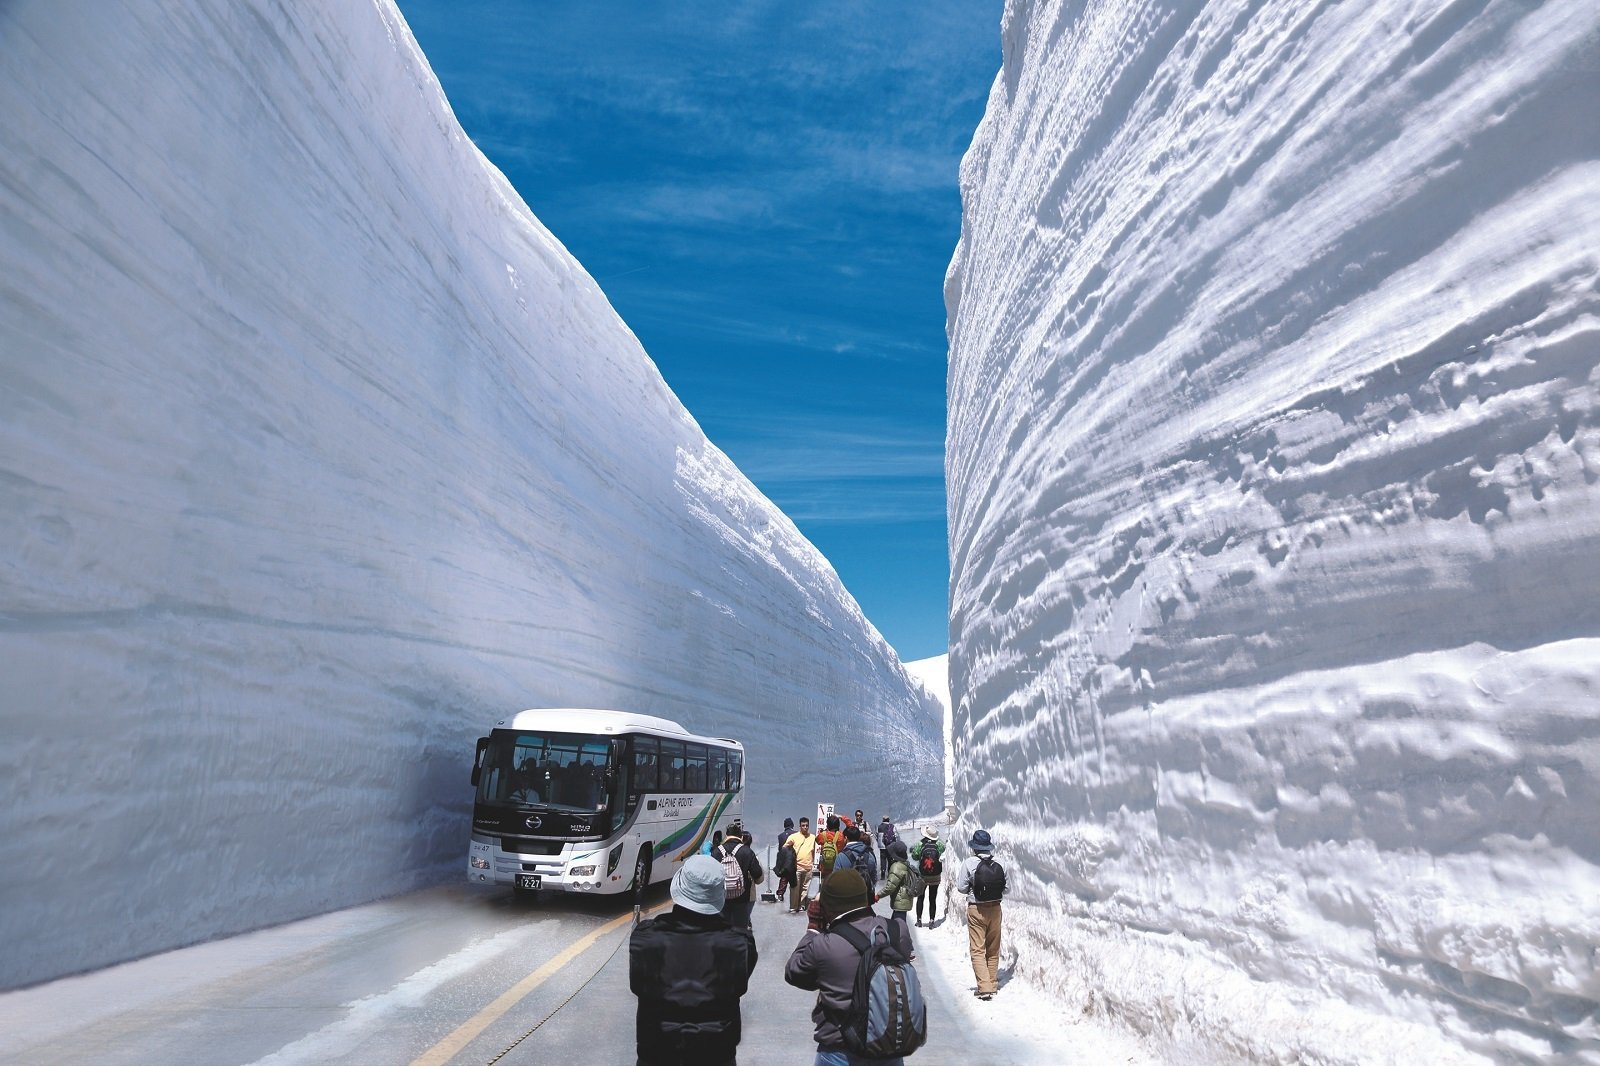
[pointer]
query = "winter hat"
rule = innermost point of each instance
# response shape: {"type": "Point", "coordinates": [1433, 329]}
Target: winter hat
{"type": "Point", "coordinates": [844, 891]}
{"type": "Point", "coordinates": [980, 841]}
{"type": "Point", "coordinates": [898, 850]}
{"type": "Point", "coordinates": [788, 823]}
{"type": "Point", "coordinates": [698, 885]}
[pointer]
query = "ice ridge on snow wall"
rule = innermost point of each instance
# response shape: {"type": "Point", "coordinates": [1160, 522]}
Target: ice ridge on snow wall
{"type": "Point", "coordinates": [1273, 457]}
{"type": "Point", "coordinates": [319, 454]}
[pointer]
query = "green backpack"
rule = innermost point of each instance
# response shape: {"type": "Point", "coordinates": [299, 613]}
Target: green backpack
{"type": "Point", "coordinates": [828, 845]}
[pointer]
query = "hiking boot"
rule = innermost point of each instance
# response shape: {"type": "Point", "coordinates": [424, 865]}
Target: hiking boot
{"type": "Point", "coordinates": [919, 923]}
{"type": "Point", "coordinates": [986, 996]}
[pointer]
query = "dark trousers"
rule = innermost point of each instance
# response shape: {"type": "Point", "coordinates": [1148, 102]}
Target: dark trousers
{"type": "Point", "coordinates": [737, 911]}
{"type": "Point", "coordinates": [930, 892]}
{"type": "Point", "coordinates": [685, 1052]}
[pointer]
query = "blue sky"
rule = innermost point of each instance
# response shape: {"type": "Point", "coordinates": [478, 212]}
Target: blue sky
{"type": "Point", "coordinates": [767, 193]}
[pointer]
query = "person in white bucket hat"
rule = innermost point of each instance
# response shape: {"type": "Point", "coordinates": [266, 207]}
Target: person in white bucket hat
{"type": "Point", "coordinates": [928, 857]}
{"type": "Point", "coordinates": [689, 968]}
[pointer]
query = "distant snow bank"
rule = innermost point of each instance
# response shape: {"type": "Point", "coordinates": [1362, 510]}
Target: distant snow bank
{"type": "Point", "coordinates": [1274, 460]}
{"type": "Point", "coordinates": [318, 454]}
{"type": "Point", "coordinates": [934, 675]}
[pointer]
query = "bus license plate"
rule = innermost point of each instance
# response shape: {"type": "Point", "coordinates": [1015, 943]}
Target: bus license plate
{"type": "Point", "coordinates": [528, 880]}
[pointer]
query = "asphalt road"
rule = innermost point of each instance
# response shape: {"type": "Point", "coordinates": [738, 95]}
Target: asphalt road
{"type": "Point", "coordinates": [452, 974]}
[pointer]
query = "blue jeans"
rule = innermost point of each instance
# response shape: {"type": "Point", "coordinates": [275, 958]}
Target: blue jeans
{"type": "Point", "coordinates": [844, 1058]}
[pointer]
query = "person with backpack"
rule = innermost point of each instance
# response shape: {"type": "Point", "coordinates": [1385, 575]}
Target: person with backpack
{"type": "Point", "coordinates": [869, 1009]}
{"type": "Point", "coordinates": [929, 858]}
{"type": "Point", "coordinates": [902, 884]}
{"type": "Point", "coordinates": [866, 836]}
{"type": "Point", "coordinates": [741, 874]}
{"type": "Point", "coordinates": [983, 882]}
{"type": "Point", "coordinates": [857, 855]}
{"type": "Point", "coordinates": [829, 843]}
{"type": "Point", "coordinates": [689, 968]}
{"type": "Point", "coordinates": [783, 864]}
{"type": "Point", "coordinates": [886, 836]}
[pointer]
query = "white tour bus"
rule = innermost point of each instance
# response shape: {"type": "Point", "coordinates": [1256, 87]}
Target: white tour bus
{"type": "Point", "coordinates": [596, 801]}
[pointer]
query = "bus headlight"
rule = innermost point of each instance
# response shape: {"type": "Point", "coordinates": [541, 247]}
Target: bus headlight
{"type": "Point", "coordinates": [581, 871]}
{"type": "Point", "coordinates": [479, 862]}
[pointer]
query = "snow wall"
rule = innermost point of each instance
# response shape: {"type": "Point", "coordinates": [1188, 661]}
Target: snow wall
{"type": "Point", "coordinates": [1273, 457]}
{"type": "Point", "coordinates": [319, 454]}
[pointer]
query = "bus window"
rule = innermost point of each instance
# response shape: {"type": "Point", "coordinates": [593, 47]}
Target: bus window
{"type": "Point", "coordinates": [694, 768]}
{"type": "Point", "coordinates": [718, 771]}
{"type": "Point", "coordinates": [672, 766]}
{"type": "Point", "coordinates": [736, 770]}
{"type": "Point", "coordinates": [645, 755]}
{"type": "Point", "coordinates": [586, 775]}
{"type": "Point", "coordinates": [563, 770]}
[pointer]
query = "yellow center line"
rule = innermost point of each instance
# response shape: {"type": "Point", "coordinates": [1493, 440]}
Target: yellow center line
{"type": "Point", "coordinates": [447, 1049]}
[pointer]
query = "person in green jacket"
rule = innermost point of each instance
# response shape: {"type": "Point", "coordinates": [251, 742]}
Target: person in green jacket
{"type": "Point", "coordinates": [900, 886]}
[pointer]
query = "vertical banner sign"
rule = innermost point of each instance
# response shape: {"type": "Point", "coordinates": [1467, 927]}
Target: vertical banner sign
{"type": "Point", "coordinates": [823, 810]}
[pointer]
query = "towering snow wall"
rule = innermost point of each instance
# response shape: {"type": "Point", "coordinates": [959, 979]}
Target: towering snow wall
{"type": "Point", "coordinates": [1273, 451]}
{"type": "Point", "coordinates": [318, 454]}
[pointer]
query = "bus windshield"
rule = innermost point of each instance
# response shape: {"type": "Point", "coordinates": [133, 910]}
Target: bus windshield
{"type": "Point", "coordinates": [560, 771]}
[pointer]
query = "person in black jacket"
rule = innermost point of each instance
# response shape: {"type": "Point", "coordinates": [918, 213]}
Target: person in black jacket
{"type": "Point", "coordinates": [689, 968]}
{"type": "Point", "coordinates": [784, 866]}
{"type": "Point", "coordinates": [737, 908]}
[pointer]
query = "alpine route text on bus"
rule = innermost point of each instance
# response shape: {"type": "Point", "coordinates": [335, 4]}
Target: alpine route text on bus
{"type": "Point", "coordinates": [596, 801]}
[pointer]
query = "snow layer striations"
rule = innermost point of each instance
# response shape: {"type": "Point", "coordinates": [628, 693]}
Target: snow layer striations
{"type": "Point", "coordinates": [1274, 459]}
{"type": "Point", "coordinates": [318, 454]}
{"type": "Point", "coordinates": [934, 675]}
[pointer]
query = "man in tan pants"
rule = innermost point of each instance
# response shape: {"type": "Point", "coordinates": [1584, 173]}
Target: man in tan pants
{"type": "Point", "coordinates": [805, 850]}
{"type": "Point", "coordinates": [983, 882]}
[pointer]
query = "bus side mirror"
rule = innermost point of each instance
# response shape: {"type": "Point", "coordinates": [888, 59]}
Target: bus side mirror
{"type": "Point", "coordinates": [477, 760]}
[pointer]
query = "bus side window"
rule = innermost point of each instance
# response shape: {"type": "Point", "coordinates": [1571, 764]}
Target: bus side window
{"type": "Point", "coordinates": [672, 766]}
{"type": "Point", "coordinates": [736, 770]}
{"type": "Point", "coordinates": [719, 770]}
{"type": "Point", "coordinates": [645, 777]}
{"type": "Point", "coordinates": [694, 768]}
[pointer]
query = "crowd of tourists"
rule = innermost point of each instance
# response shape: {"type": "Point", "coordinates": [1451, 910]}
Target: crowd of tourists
{"type": "Point", "coordinates": [690, 967]}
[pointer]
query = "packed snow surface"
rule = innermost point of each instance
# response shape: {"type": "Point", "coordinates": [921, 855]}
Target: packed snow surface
{"type": "Point", "coordinates": [1274, 460]}
{"type": "Point", "coordinates": [318, 455]}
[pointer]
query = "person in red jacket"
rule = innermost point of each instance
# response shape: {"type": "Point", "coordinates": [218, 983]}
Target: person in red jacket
{"type": "Point", "coordinates": [829, 840]}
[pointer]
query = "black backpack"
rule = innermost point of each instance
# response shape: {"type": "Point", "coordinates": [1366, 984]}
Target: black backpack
{"type": "Point", "coordinates": [988, 880]}
{"type": "Point", "coordinates": [887, 1016]}
{"type": "Point", "coordinates": [929, 864]}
